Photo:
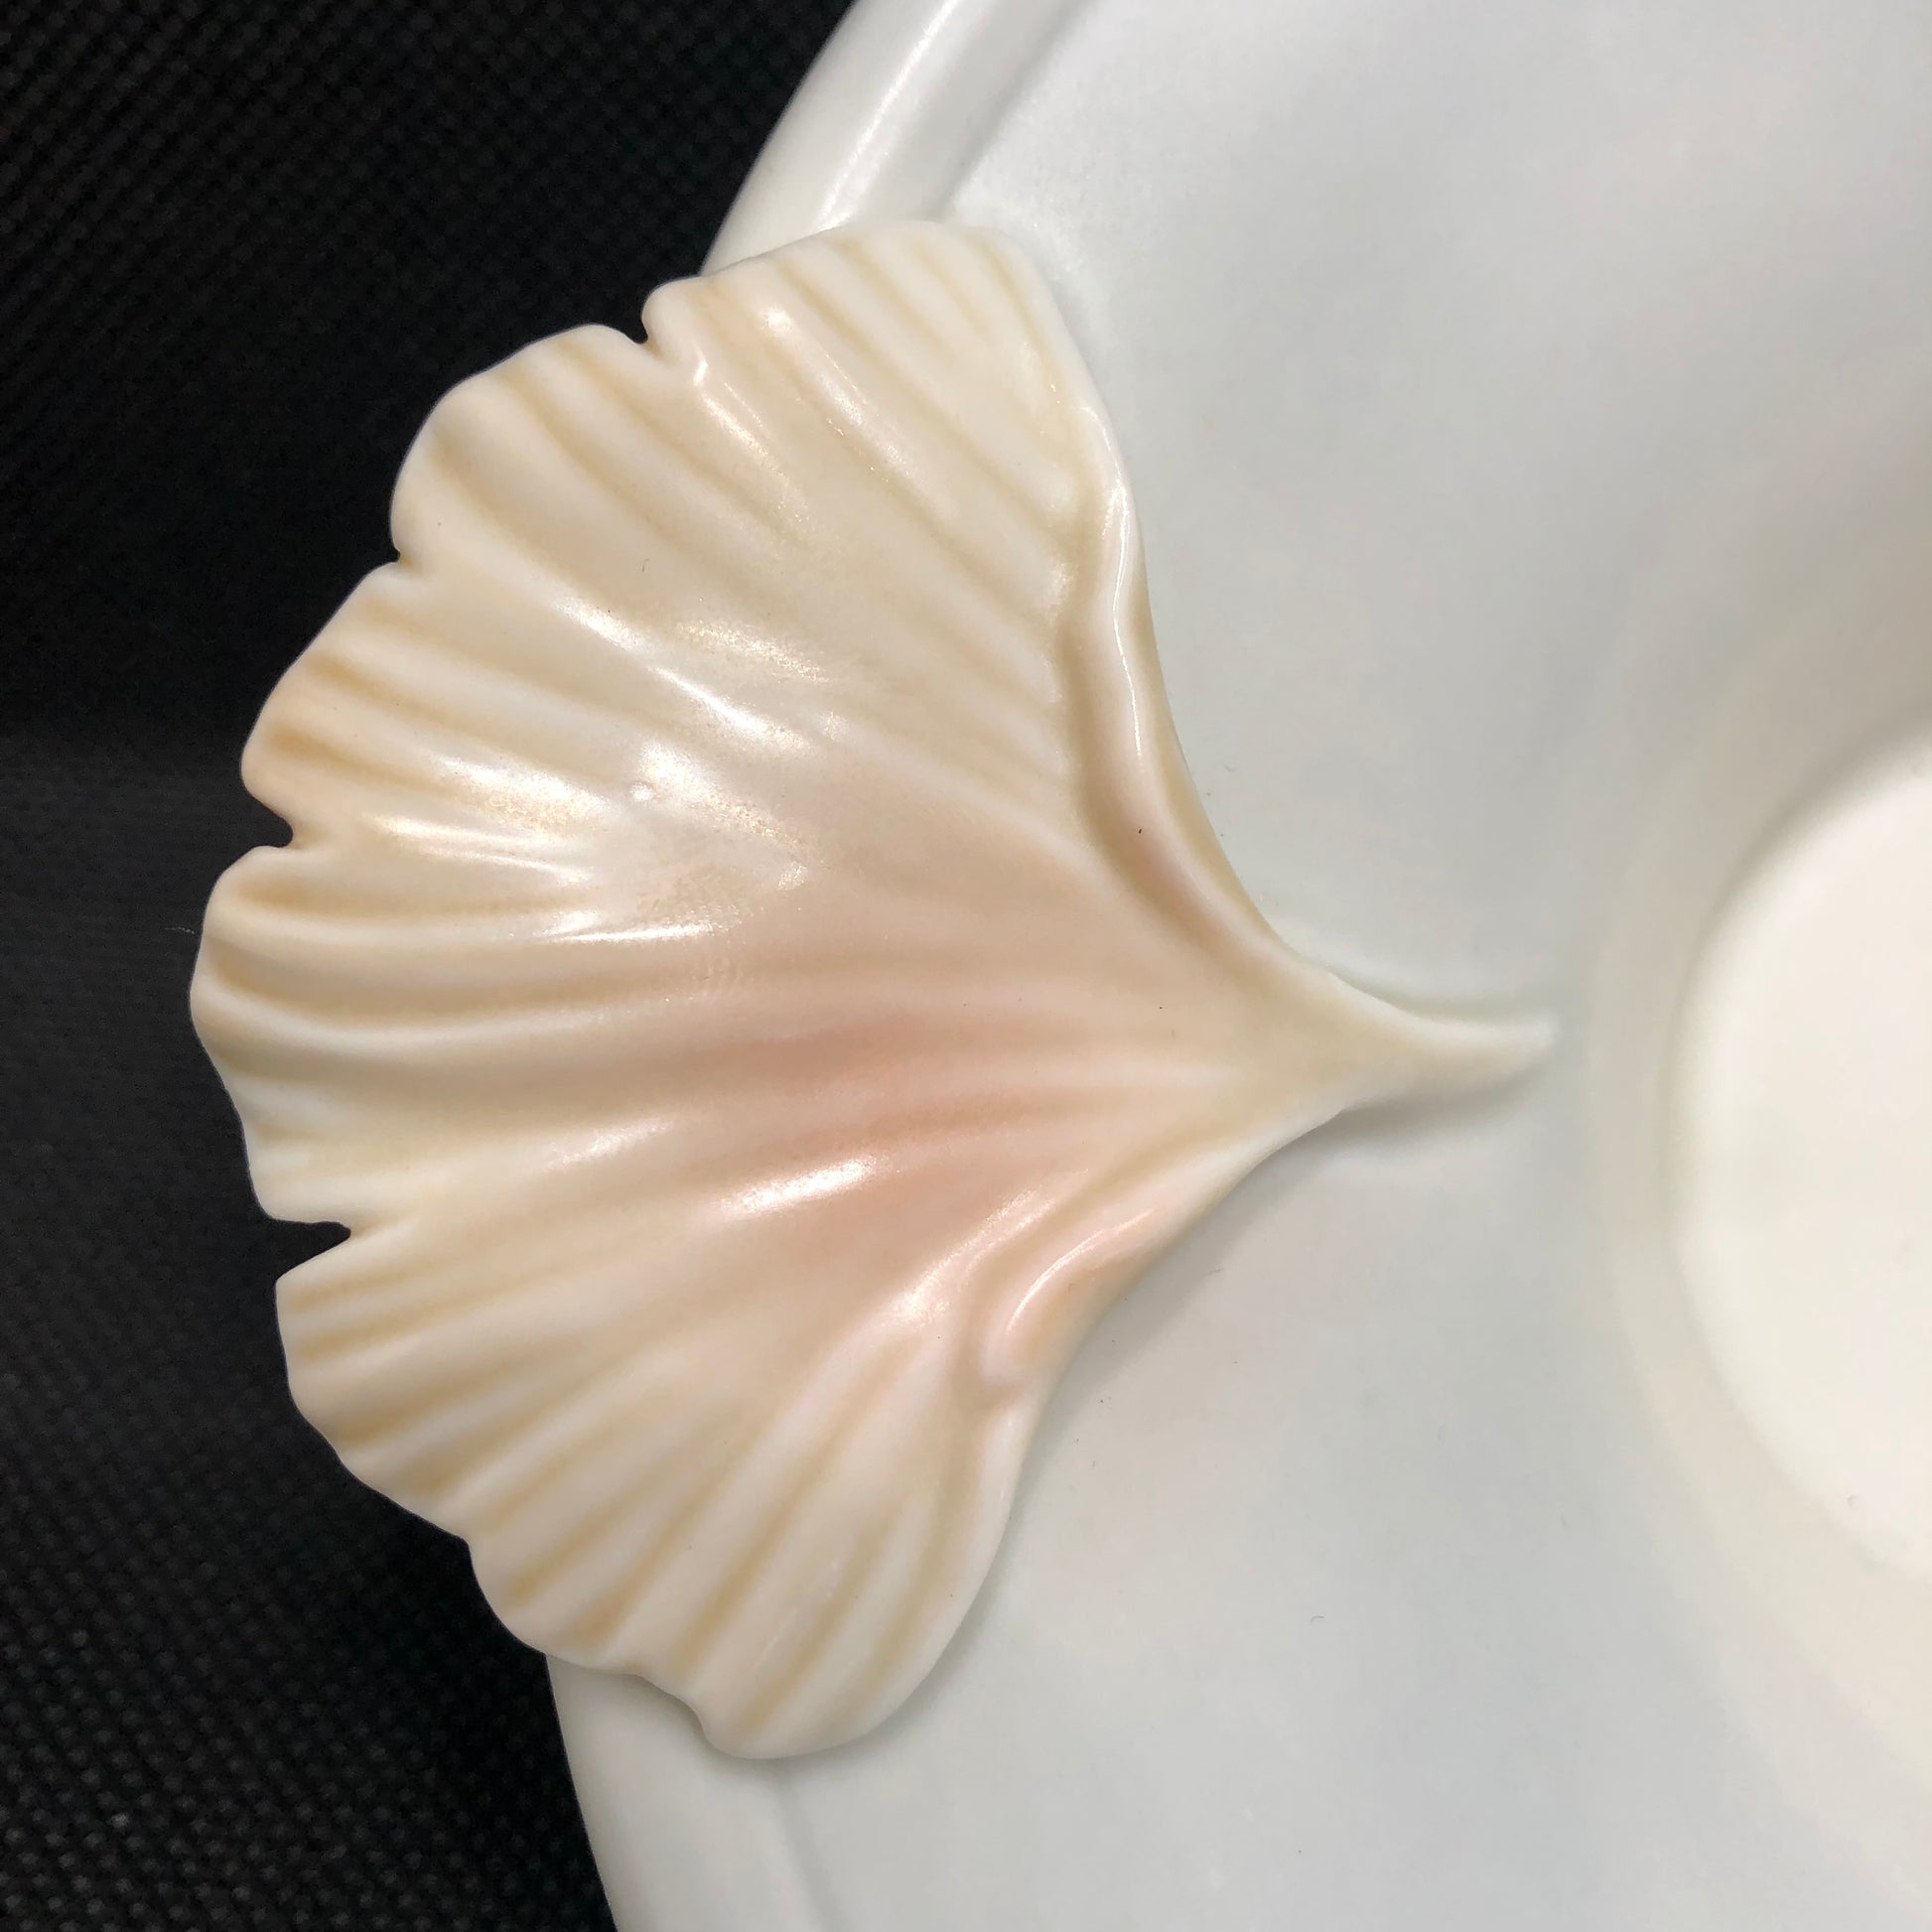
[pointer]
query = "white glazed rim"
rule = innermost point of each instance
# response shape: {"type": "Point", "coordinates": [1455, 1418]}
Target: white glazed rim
{"type": "Point", "coordinates": [890, 116]}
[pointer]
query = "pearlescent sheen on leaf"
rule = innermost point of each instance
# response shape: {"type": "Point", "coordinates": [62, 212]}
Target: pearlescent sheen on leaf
{"type": "Point", "coordinates": [751, 971]}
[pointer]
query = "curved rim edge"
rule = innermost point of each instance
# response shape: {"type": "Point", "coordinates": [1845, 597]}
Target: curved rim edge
{"type": "Point", "coordinates": [888, 118]}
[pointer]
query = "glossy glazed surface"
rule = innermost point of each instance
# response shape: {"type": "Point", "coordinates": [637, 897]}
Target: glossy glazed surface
{"type": "Point", "coordinates": [1530, 413]}
{"type": "Point", "coordinates": [1803, 1158]}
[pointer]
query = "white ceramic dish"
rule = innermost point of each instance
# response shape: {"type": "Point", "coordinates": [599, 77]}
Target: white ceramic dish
{"type": "Point", "coordinates": [1530, 410]}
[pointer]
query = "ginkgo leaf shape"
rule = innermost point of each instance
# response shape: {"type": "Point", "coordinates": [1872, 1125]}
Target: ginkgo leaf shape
{"type": "Point", "coordinates": [751, 971]}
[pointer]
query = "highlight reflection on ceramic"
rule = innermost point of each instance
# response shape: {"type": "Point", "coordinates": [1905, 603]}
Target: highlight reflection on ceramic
{"type": "Point", "coordinates": [1752, 1105]}
{"type": "Point", "coordinates": [751, 971]}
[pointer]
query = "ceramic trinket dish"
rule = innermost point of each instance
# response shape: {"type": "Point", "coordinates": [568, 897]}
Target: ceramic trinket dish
{"type": "Point", "coordinates": [1530, 416]}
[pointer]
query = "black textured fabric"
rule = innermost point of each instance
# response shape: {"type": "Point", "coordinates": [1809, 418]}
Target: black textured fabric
{"type": "Point", "coordinates": [243, 246]}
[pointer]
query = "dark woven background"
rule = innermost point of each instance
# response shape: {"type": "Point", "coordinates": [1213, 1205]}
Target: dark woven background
{"type": "Point", "coordinates": [243, 246]}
